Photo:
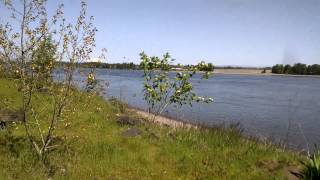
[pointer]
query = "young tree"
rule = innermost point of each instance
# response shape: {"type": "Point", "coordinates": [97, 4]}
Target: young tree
{"type": "Point", "coordinates": [30, 52]}
{"type": "Point", "coordinates": [163, 87]}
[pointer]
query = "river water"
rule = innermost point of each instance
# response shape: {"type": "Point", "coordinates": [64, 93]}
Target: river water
{"type": "Point", "coordinates": [282, 108]}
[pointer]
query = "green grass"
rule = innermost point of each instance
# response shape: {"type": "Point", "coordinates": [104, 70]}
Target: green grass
{"type": "Point", "coordinates": [311, 167]}
{"type": "Point", "coordinates": [92, 147]}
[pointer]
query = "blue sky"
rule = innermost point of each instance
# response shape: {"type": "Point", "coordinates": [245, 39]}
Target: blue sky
{"type": "Point", "coordinates": [225, 32]}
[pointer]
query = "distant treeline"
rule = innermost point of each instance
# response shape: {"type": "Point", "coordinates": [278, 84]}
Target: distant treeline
{"type": "Point", "coordinates": [129, 65]}
{"type": "Point", "coordinates": [297, 69]}
{"type": "Point", "coordinates": [132, 66]}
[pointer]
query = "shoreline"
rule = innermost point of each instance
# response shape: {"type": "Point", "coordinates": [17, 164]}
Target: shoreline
{"type": "Point", "coordinates": [163, 120]}
{"type": "Point", "coordinates": [266, 74]}
{"type": "Point", "coordinates": [244, 72]}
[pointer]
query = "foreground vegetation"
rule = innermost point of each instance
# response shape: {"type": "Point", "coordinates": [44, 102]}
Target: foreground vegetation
{"type": "Point", "coordinates": [94, 146]}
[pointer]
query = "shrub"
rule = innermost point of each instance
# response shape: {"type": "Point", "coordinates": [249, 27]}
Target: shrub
{"type": "Point", "coordinates": [162, 90]}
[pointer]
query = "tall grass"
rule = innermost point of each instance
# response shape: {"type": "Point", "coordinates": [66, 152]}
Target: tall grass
{"type": "Point", "coordinates": [311, 167]}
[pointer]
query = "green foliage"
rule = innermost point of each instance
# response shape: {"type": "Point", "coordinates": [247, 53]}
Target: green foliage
{"type": "Point", "coordinates": [91, 82]}
{"type": "Point", "coordinates": [44, 60]}
{"type": "Point", "coordinates": [277, 69]}
{"type": "Point", "coordinates": [297, 69]}
{"type": "Point", "coordinates": [162, 89]}
{"type": "Point", "coordinates": [287, 69]}
{"type": "Point", "coordinates": [313, 69]}
{"type": "Point", "coordinates": [205, 67]}
{"type": "Point", "coordinates": [311, 169]}
{"type": "Point", "coordinates": [44, 57]}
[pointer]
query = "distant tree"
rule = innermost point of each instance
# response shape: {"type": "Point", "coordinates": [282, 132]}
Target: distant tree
{"type": "Point", "coordinates": [314, 69]}
{"type": "Point", "coordinates": [309, 70]}
{"type": "Point", "coordinates": [299, 69]}
{"type": "Point", "coordinates": [205, 67]}
{"type": "Point", "coordinates": [277, 69]}
{"type": "Point", "coordinates": [287, 69]}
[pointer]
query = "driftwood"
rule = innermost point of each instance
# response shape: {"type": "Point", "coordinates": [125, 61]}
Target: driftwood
{"type": "Point", "coordinates": [8, 116]}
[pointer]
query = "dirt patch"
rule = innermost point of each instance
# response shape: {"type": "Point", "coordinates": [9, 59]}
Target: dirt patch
{"type": "Point", "coordinates": [292, 173]}
{"type": "Point", "coordinates": [268, 165]}
{"type": "Point", "coordinates": [132, 132]}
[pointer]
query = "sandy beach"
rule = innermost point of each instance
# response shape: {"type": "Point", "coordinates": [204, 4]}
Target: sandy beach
{"type": "Point", "coordinates": [242, 71]}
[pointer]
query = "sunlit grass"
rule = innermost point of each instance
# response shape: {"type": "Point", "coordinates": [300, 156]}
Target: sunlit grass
{"type": "Point", "coordinates": [91, 146]}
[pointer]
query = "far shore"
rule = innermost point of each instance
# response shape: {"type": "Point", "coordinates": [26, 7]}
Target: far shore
{"type": "Point", "coordinates": [256, 72]}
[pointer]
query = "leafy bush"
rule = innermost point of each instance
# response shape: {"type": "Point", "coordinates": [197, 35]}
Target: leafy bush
{"type": "Point", "coordinates": [162, 89]}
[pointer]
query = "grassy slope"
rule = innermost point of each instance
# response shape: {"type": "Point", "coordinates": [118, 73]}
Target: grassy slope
{"type": "Point", "coordinates": [93, 147]}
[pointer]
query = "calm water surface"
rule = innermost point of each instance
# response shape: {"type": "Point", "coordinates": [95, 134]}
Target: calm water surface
{"type": "Point", "coordinates": [282, 108]}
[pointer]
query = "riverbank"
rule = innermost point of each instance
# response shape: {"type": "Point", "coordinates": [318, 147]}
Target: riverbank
{"type": "Point", "coordinates": [105, 140]}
